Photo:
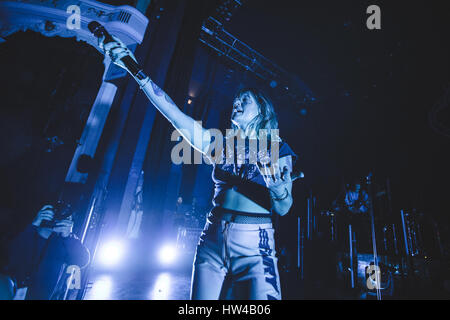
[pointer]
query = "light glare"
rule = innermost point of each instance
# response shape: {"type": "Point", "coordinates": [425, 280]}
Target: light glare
{"type": "Point", "coordinates": [161, 290]}
{"type": "Point", "coordinates": [167, 254]}
{"type": "Point", "coordinates": [111, 253]}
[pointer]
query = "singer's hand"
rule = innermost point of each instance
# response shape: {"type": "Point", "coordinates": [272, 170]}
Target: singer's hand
{"type": "Point", "coordinates": [116, 50]}
{"type": "Point", "coordinates": [277, 176]}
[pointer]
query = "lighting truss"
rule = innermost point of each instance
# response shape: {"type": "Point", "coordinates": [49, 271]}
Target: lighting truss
{"type": "Point", "coordinates": [225, 44]}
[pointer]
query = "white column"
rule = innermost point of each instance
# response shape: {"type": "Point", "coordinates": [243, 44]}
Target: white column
{"type": "Point", "coordinates": [93, 130]}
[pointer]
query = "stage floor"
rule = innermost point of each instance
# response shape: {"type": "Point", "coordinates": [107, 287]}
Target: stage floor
{"type": "Point", "coordinates": [140, 285]}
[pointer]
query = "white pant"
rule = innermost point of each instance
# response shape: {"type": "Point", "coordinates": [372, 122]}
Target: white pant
{"type": "Point", "coordinates": [236, 261]}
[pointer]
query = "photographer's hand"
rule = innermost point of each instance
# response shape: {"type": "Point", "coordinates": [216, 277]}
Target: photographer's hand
{"type": "Point", "coordinates": [63, 227]}
{"type": "Point", "coordinates": [46, 213]}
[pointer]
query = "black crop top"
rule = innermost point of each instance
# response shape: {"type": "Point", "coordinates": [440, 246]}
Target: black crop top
{"type": "Point", "coordinates": [245, 178]}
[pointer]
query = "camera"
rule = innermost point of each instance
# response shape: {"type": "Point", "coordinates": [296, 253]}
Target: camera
{"type": "Point", "coordinates": [62, 210]}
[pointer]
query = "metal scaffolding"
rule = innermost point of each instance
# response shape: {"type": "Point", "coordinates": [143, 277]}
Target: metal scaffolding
{"type": "Point", "coordinates": [225, 44]}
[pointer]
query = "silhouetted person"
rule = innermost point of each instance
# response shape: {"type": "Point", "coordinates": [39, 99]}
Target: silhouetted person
{"type": "Point", "coordinates": [38, 256]}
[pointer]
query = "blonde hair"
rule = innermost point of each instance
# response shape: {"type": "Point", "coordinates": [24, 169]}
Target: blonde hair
{"type": "Point", "coordinates": [266, 119]}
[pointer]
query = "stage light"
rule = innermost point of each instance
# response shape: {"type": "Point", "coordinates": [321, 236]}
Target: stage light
{"type": "Point", "coordinates": [161, 290]}
{"type": "Point", "coordinates": [189, 101]}
{"type": "Point", "coordinates": [101, 289]}
{"type": "Point", "coordinates": [111, 253]}
{"type": "Point", "coordinates": [167, 254]}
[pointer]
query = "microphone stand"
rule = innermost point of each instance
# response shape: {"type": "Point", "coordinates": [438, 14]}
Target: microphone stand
{"type": "Point", "coordinates": [374, 242]}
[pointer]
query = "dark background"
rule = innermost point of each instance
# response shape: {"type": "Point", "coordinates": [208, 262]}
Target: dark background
{"type": "Point", "coordinates": [374, 90]}
{"type": "Point", "coordinates": [48, 86]}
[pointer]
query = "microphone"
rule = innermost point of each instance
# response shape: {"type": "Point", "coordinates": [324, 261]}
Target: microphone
{"type": "Point", "coordinates": [99, 31]}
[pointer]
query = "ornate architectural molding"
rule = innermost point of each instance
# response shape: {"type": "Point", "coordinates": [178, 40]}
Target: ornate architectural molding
{"type": "Point", "coordinates": [49, 17]}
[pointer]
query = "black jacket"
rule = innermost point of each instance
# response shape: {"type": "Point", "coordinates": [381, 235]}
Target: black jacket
{"type": "Point", "coordinates": [39, 263]}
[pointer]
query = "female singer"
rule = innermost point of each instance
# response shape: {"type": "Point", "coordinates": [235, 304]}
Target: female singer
{"type": "Point", "coordinates": [235, 257]}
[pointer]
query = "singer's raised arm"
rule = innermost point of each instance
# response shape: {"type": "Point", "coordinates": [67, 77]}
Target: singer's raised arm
{"type": "Point", "coordinates": [191, 130]}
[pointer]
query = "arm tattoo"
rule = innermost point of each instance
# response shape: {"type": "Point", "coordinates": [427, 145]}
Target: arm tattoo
{"type": "Point", "coordinates": [168, 99]}
{"type": "Point", "coordinates": [157, 90]}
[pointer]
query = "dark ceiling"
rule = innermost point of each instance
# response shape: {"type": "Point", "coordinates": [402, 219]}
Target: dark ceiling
{"type": "Point", "coordinates": [375, 90]}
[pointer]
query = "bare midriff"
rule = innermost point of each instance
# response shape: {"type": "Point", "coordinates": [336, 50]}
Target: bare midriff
{"type": "Point", "coordinates": [233, 200]}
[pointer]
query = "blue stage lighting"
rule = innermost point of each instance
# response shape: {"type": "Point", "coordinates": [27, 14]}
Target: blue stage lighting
{"type": "Point", "coordinates": [111, 253]}
{"type": "Point", "coordinates": [168, 254]}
